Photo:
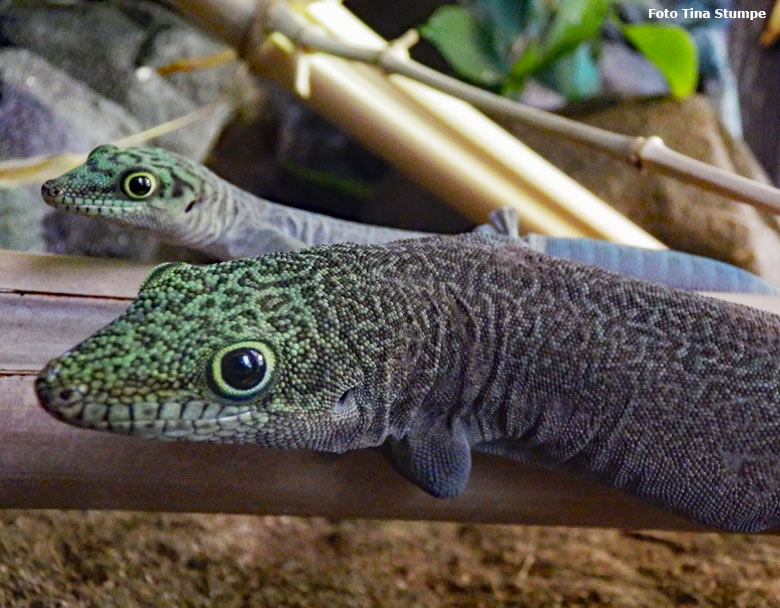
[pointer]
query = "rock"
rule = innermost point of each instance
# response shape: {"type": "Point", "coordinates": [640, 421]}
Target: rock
{"type": "Point", "coordinates": [42, 111]}
{"type": "Point", "coordinates": [63, 88]}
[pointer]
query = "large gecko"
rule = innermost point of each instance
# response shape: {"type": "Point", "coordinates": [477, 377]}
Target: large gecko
{"type": "Point", "coordinates": [441, 345]}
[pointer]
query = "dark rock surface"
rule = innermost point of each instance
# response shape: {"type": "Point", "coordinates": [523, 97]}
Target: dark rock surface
{"type": "Point", "coordinates": [682, 216]}
{"type": "Point", "coordinates": [758, 72]}
{"type": "Point", "coordinates": [73, 76]}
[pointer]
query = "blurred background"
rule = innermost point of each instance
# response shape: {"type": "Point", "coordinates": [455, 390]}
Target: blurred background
{"type": "Point", "coordinates": [76, 74]}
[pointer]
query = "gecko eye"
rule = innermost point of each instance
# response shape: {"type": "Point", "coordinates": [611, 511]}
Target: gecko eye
{"type": "Point", "coordinates": [139, 184]}
{"type": "Point", "coordinates": [242, 370]}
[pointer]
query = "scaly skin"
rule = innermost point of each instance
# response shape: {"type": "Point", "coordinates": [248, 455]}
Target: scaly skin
{"type": "Point", "coordinates": [191, 205]}
{"type": "Point", "coordinates": [444, 344]}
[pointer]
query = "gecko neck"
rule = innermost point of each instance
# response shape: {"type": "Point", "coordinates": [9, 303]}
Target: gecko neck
{"type": "Point", "coordinates": [217, 207]}
{"type": "Point", "coordinates": [228, 222]}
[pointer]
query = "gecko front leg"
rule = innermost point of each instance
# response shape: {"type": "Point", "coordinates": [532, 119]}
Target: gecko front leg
{"type": "Point", "coordinates": [436, 458]}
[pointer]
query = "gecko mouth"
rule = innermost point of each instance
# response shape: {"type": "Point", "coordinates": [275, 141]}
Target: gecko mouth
{"type": "Point", "coordinates": [201, 429]}
{"type": "Point", "coordinates": [74, 205]}
{"type": "Point", "coordinates": [162, 421]}
{"type": "Point", "coordinates": [195, 420]}
{"type": "Point", "coordinates": [55, 197]}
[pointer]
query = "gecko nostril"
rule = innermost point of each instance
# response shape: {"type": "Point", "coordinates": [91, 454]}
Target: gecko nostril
{"type": "Point", "coordinates": [48, 190]}
{"type": "Point", "coordinates": [70, 395]}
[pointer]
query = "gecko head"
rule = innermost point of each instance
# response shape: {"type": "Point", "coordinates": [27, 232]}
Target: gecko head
{"type": "Point", "coordinates": [239, 352]}
{"type": "Point", "coordinates": [138, 187]}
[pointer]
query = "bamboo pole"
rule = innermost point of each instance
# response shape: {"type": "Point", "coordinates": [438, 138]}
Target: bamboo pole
{"type": "Point", "coordinates": [49, 303]}
{"type": "Point", "coordinates": [642, 152]}
{"type": "Point", "coordinates": [552, 188]}
{"type": "Point", "coordinates": [46, 464]}
{"type": "Point", "coordinates": [349, 38]}
{"type": "Point", "coordinates": [441, 142]}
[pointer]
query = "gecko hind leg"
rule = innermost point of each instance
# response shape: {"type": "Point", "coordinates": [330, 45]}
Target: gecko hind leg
{"type": "Point", "coordinates": [436, 459]}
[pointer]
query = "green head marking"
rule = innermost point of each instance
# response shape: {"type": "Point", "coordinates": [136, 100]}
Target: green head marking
{"type": "Point", "coordinates": [243, 351]}
{"type": "Point", "coordinates": [139, 187]}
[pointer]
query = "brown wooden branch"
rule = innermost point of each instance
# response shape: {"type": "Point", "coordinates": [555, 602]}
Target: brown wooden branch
{"type": "Point", "coordinates": [49, 303]}
{"type": "Point", "coordinates": [280, 16]}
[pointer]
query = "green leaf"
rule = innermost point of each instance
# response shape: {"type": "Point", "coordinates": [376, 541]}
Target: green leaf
{"type": "Point", "coordinates": [672, 50]}
{"type": "Point", "coordinates": [506, 20]}
{"type": "Point", "coordinates": [574, 22]}
{"type": "Point", "coordinates": [465, 43]}
{"type": "Point", "coordinates": [576, 75]}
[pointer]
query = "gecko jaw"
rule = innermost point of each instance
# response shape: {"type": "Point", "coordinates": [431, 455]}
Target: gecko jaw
{"type": "Point", "coordinates": [75, 205]}
{"type": "Point", "coordinates": [195, 420]}
{"type": "Point", "coordinates": [201, 429]}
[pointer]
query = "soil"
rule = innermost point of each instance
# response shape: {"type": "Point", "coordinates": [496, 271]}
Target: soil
{"type": "Point", "coordinates": [56, 559]}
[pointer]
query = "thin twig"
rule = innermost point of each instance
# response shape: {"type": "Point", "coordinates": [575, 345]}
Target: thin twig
{"type": "Point", "coordinates": [639, 151]}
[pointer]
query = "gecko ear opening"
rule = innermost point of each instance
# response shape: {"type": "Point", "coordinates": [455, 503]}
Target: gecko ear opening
{"type": "Point", "coordinates": [157, 273]}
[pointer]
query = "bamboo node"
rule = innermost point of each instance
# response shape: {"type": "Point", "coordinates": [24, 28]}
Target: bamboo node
{"type": "Point", "coordinates": [405, 42]}
{"type": "Point", "coordinates": [637, 148]}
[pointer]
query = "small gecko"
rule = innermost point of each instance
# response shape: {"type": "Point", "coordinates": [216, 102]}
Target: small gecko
{"type": "Point", "coordinates": [183, 202]}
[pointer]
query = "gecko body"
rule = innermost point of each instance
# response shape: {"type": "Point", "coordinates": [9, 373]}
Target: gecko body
{"type": "Point", "coordinates": [183, 202]}
{"type": "Point", "coordinates": [442, 345]}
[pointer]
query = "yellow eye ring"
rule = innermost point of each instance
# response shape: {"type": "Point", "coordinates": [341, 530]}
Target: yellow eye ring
{"type": "Point", "coordinates": [241, 370]}
{"type": "Point", "coordinates": [139, 184]}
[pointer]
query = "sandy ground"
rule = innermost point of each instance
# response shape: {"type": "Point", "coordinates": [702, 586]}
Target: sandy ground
{"type": "Point", "coordinates": [54, 559]}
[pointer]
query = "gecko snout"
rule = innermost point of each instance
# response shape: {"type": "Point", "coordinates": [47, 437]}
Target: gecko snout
{"type": "Point", "coordinates": [50, 191]}
{"type": "Point", "coordinates": [64, 401]}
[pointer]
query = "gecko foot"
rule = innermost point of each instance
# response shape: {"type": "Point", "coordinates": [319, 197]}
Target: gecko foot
{"type": "Point", "coordinates": [438, 460]}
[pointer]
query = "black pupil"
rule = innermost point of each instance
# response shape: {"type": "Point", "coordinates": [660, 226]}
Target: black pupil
{"type": "Point", "coordinates": [243, 368]}
{"type": "Point", "coordinates": [140, 185]}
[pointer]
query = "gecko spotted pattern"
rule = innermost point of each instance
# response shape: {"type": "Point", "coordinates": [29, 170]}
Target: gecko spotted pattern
{"type": "Point", "coordinates": [442, 345]}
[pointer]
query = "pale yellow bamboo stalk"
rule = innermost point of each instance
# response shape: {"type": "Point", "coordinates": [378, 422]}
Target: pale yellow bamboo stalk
{"type": "Point", "coordinates": [408, 135]}
{"type": "Point", "coordinates": [552, 188]}
{"type": "Point", "coordinates": [476, 166]}
{"type": "Point", "coordinates": [363, 102]}
{"type": "Point", "coordinates": [772, 31]}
